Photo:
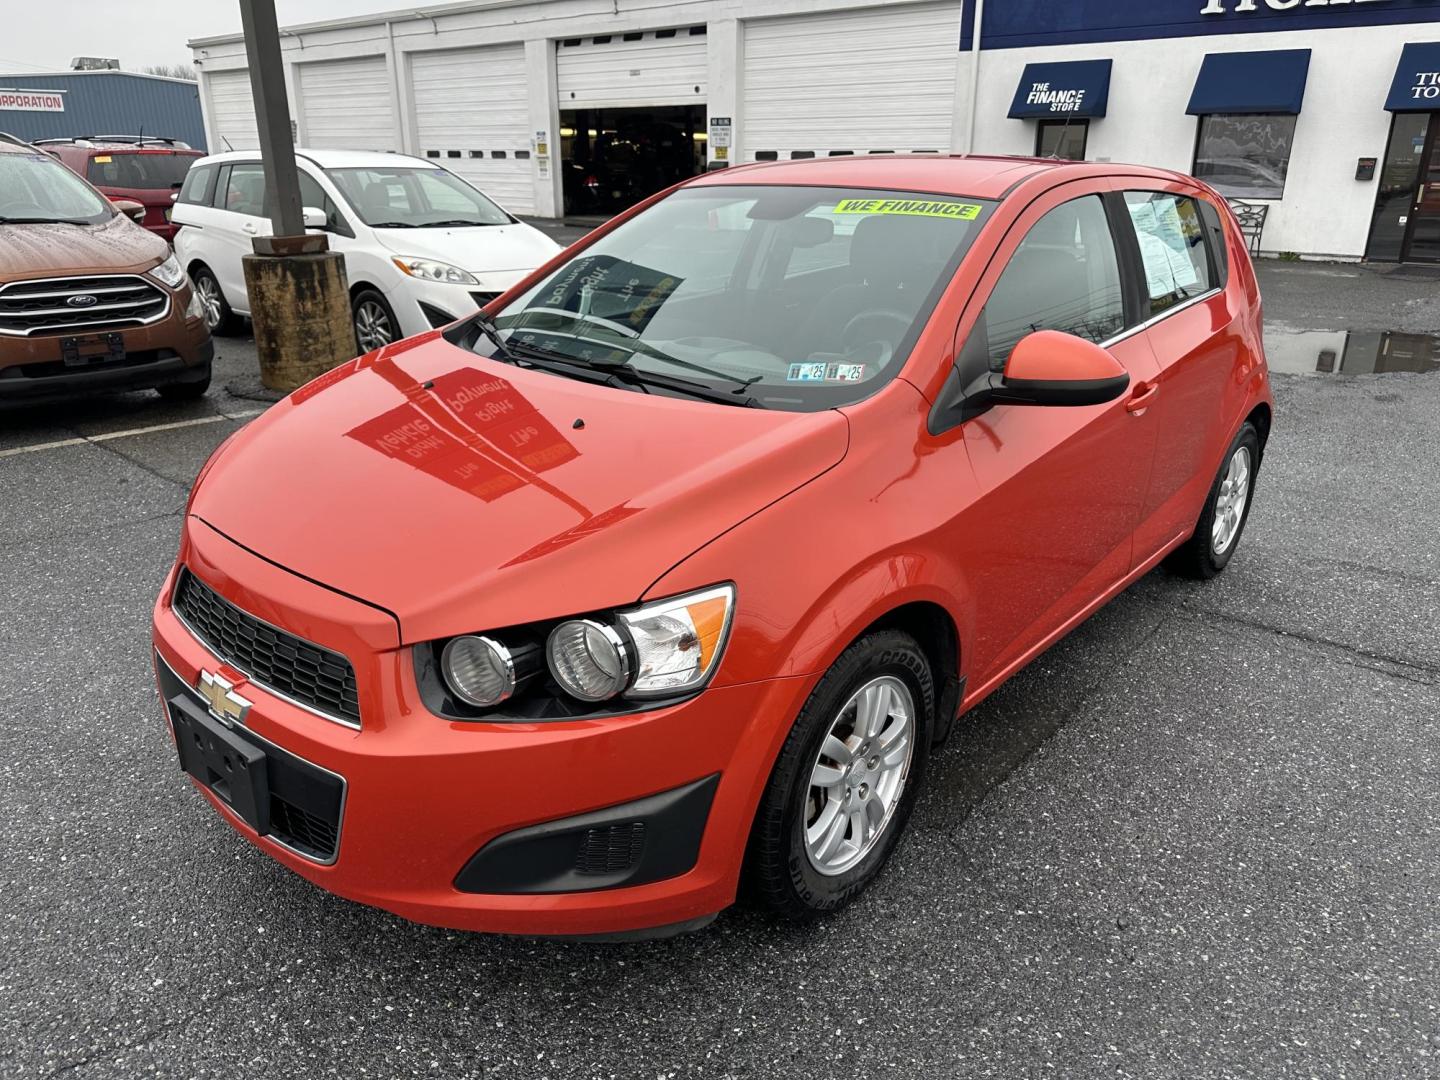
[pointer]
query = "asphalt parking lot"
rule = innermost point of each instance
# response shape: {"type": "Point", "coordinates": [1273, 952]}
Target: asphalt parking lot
{"type": "Point", "coordinates": [1200, 837]}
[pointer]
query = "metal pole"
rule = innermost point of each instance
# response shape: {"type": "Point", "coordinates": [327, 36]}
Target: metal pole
{"type": "Point", "coordinates": [272, 116]}
{"type": "Point", "coordinates": [974, 74]}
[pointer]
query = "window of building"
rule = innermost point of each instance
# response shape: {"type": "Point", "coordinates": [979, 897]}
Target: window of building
{"type": "Point", "coordinates": [1244, 156]}
{"type": "Point", "coordinates": [1062, 139]}
{"type": "Point", "coordinates": [1173, 249]}
{"type": "Point", "coordinates": [1063, 276]}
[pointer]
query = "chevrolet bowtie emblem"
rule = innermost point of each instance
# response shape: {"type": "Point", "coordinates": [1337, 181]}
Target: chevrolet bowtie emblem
{"type": "Point", "coordinates": [224, 704]}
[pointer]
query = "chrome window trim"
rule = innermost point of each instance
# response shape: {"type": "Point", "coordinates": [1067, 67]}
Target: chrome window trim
{"type": "Point", "coordinates": [59, 282]}
{"type": "Point", "coordinates": [344, 784]}
{"type": "Point", "coordinates": [341, 720]}
{"type": "Point", "coordinates": [1142, 326]}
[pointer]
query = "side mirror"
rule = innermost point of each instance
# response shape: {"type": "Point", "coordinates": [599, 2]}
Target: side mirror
{"type": "Point", "coordinates": [130, 208]}
{"type": "Point", "coordinates": [1052, 368]}
{"type": "Point", "coordinates": [315, 218]}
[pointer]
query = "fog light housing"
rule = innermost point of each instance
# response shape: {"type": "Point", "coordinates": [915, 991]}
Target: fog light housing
{"type": "Point", "coordinates": [588, 659]}
{"type": "Point", "coordinates": [478, 670]}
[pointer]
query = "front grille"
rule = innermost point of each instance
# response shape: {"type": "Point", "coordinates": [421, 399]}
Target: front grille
{"type": "Point", "coordinates": [302, 830]}
{"type": "Point", "coordinates": [611, 849]}
{"type": "Point", "coordinates": [28, 308]}
{"type": "Point", "coordinates": [319, 678]}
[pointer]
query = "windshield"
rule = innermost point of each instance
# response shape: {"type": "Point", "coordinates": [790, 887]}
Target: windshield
{"type": "Point", "coordinates": [36, 187]}
{"type": "Point", "coordinates": [415, 198]}
{"type": "Point", "coordinates": [793, 298]}
{"type": "Point", "coordinates": [146, 169]}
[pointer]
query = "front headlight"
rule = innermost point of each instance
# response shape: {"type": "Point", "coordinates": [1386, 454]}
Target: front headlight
{"type": "Point", "coordinates": [430, 270]}
{"type": "Point", "coordinates": [666, 649]}
{"type": "Point", "coordinates": [168, 273]}
{"type": "Point", "coordinates": [678, 642]}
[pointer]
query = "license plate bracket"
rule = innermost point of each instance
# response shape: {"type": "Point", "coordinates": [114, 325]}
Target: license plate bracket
{"type": "Point", "coordinates": [233, 769]}
{"type": "Point", "coordinates": [99, 349]}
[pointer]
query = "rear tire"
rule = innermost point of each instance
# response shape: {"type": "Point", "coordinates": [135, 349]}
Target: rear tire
{"type": "Point", "coordinates": [1227, 509]}
{"type": "Point", "coordinates": [798, 864]}
{"type": "Point", "coordinates": [221, 321]}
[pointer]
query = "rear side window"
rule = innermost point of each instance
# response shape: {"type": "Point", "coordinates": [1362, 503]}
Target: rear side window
{"type": "Point", "coordinates": [1218, 250]}
{"type": "Point", "coordinates": [1064, 276]}
{"type": "Point", "coordinates": [245, 190]}
{"type": "Point", "coordinates": [145, 170]}
{"type": "Point", "coordinates": [1174, 253]}
{"type": "Point", "coordinates": [199, 187]}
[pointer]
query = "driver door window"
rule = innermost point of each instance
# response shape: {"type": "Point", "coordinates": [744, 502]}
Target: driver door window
{"type": "Point", "coordinates": [1063, 276]}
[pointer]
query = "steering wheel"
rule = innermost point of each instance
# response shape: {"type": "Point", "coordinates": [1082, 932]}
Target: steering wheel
{"type": "Point", "coordinates": [871, 336]}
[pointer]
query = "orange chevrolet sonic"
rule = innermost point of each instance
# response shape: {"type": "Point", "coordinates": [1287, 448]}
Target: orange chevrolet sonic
{"type": "Point", "coordinates": [666, 573]}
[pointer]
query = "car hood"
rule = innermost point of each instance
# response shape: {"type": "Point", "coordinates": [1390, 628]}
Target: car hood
{"type": "Point", "coordinates": [114, 246]}
{"type": "Point", "coordinates": [461, 494]}
{"type": "Point", "coordinates": [484, 249]}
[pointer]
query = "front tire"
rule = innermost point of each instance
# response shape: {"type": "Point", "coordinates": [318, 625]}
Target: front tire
{"type": "Point", "coordinates": [1227, 509]}
{"type": "Point", "coordinates": [219, 319]}
{"type": "Point", "coordinates": [846, 779]}
{"type": "Point", "coordinates": [375, 322]}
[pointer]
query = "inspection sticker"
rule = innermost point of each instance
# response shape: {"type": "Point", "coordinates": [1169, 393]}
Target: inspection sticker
{"type": "Point", "coordinates": [910, 208]}
{"type": "Point", "coordinates": [818, 372]}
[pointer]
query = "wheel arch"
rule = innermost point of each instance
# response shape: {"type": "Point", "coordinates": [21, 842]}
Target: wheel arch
{"type": "Point", "coordinates": [934, 630]}
{"type": "Point", "coordinates": [1261, 416]}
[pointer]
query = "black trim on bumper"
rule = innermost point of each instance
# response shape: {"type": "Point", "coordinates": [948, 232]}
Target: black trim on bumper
{"type": "Point", "coordinates": [631, 844]}
{"type": "Point", "coordinates": [167, 371]}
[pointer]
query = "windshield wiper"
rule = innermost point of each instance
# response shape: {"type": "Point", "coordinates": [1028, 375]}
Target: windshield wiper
{"type": "Point", "coordinates": [635, 345]}
{"type": "Point", "coordinates": [43, 221]}
{"type": "Point", "coordinates": [391, 225]}
{"type": "Point", "coordinates": [623, 374]}
{"type": "Point", "coordinates": [453, 223]}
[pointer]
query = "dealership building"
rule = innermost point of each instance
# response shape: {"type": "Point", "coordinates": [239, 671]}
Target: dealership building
{"type": "Point", "coordinates": [74, 104]}
{"type": "Point", "coordinates": [1322, 115]}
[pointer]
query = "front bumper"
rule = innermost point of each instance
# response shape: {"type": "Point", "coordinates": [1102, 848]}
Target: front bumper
{"type": "Point", "coordinates": [424, 795]}
{"type": "Point", "coordinates": [173, 350]}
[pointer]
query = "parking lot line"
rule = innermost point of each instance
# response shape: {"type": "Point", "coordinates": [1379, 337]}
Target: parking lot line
{"type": "Point", "coordinates": [35, 448]}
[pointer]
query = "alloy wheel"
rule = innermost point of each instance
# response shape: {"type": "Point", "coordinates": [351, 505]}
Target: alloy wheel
{"type": "Point", "coordinates": [859, 775]}
{"type": "Point", "coordinates": [209, 293]}
{"type": "Point", "coordinates": [372, 326]}
{"type": "Point", "coordinates": [1230, 501]}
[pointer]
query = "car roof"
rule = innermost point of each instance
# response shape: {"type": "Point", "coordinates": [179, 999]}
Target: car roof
{"type": "Point", "coordinates": [333, 159]}
{"type": "Point", "coordinates": [977, 176]}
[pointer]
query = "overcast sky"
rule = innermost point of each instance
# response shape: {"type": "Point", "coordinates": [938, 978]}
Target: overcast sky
{"type": "Point", "coordinates": [44, 35]}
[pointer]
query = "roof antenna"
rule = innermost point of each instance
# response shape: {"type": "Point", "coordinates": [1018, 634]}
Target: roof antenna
{"type": "Point", "coordinates": [227, 144]}
{"type": "Point", "coordinates": [1055, 153]}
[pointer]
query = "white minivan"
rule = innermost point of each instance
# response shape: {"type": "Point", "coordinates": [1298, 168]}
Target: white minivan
{"type": "Point", "coordinates": [422, 247]}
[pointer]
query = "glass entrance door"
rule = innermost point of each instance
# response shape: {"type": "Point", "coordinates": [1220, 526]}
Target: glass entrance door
{"type": "Point", "coordinates": [1409, 157]}
{"type": "Point", "coordinates": [1423, 242]}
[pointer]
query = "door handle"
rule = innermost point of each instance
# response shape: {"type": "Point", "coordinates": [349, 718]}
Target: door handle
{"type": "Point", "coordinates": [1143, 397]}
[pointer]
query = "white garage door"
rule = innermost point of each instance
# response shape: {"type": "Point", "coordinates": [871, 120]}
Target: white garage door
{"type": "Point", "coordinates": [857, 81]}
{"type": "Point", "coordinates": [232, 111]}
{"type": "Point", "coordinates": [472, 115]}
{"type": "Point", "coordinates": [658, 67]}
{"type": "Point", "coordinates": [347, 105]}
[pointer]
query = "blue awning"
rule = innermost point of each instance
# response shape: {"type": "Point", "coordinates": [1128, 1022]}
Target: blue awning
{"type": "Point", "coordinates": [1417, 80]}
{"type": "Point", "coordinates": [1065, 88]}
{"type": "Point", "coordinates": [1251, 82]}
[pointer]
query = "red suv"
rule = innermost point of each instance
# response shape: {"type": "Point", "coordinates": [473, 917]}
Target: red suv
{"type": "Point", "coordinates": [677, 560]}
{"type": "Point", "coordinates": [143, 168]}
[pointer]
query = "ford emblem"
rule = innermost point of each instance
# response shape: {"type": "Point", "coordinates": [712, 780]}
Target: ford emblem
{"type": "Point", "coordinates": [83, 300]}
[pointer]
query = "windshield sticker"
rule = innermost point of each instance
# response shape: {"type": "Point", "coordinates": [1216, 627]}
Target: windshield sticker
{"type": "Point", "coordinates": [821, 372]}
{"type": "Point", "coordinates": [102, 159]}
{"type": "Point", "coordinates": [910, 208]}
{"type": "Point", "coordinates": [623, 292]}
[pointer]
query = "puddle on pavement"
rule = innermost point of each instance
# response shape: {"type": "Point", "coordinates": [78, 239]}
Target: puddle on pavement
{"type": "Point", "coordinates": [1350, 352]}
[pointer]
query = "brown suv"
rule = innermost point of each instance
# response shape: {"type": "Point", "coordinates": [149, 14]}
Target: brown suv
{"type": "Point", "coordinates": [89, 300]}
